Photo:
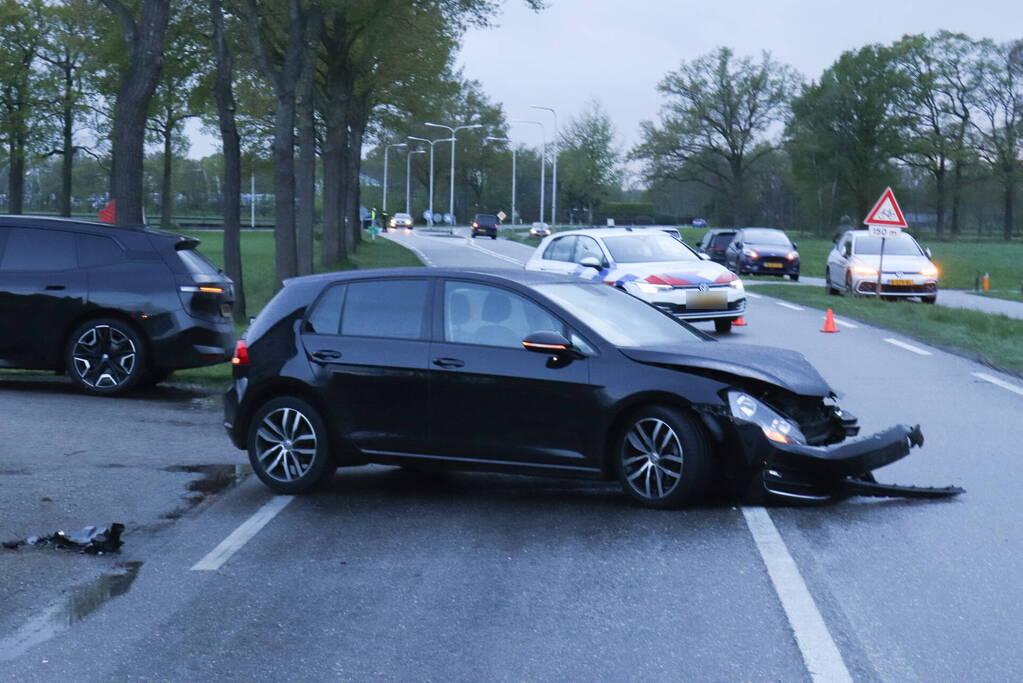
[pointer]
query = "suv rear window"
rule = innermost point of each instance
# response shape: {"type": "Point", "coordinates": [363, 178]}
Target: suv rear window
{"type": "Point", "coordinates": [196, 263]}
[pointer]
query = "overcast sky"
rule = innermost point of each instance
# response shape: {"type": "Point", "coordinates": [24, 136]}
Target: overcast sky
{"type": "Point", "coordinates": [618, 50]}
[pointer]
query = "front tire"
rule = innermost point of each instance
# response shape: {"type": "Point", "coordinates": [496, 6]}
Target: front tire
{"type": "Point", "coordinates": [106, 357]}
{"type": "Point", "coordinates": [288, 446]}
{"type": "Point", "coordinates": [794, 277]}
{"type": "Point", "coordinates": [662, 458]}
{"type": "Point", "coordinates": [723, 325]}
{"type": "Point", "coordinates": [929, 299]}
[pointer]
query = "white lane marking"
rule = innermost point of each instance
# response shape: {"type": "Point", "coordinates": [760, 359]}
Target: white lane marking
{"type": "Point", "coordinates": [998, 382]}
{"type": "Point", "coordinates": [792, 306]}
{"type": "Point", "coordinates": [242, 535]}
{"type": "Point", "coordinates": [846, 323]}
{"type": "Point", "coordinates": [820, 654]}
{"type": "Point", "coordinates": [477, 247]}
{"type": "Point", "coordinates": [754, 296]}
{"type": "Point", "coordinates": [422, 257]}
{"type": "Point", "coordinates": [909, 347]}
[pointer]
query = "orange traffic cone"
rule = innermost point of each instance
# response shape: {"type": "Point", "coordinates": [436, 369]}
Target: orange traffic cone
{"type": "Point", "coordinates": [829, 322]}
{"type": "Point", "coordinates": [739, 322]}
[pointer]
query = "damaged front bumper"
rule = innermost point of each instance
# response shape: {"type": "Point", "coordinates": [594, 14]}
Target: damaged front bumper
{"type": "Point", "coordinates": [797, 472]}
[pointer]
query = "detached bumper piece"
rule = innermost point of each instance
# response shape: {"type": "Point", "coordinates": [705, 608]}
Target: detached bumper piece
{"type": "Point", "coordinates": [821, 473]}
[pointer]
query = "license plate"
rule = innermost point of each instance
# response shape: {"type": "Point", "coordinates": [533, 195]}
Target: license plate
{"type": "Point", "coordinates": [772, 265]}
{"type": "Point", "coordinates": [902, 283]}
{"type": "Point", "coordinates": [704, 301]}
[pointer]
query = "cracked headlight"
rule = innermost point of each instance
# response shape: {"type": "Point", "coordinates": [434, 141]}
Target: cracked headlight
{"type": "Point", "coordinates": [775, 427]}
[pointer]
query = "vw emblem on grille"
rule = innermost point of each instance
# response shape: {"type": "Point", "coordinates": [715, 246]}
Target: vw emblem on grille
{"type": "Point", "coordinates": [704, 287]}
{"type": "Point", "coordinates": [899, 274]}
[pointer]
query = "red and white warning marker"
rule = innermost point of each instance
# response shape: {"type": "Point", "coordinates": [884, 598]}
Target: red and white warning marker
{"type": "Point", "coordinates": [886, 218]}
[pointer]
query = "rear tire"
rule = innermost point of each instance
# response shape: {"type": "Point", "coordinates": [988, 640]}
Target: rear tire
{"type": "Point", "coordinates": [723, 325]}
{"type": "Point", "coordinates": [929, 299]}
{"type": "Point", "coordinates": [493, 237]}
{"type": "Point", "coordinates": [106, 357]}
{"type": "Point", "coordinates": [289, 446]}
{"type": "Point", "coordinates": [662, 458]}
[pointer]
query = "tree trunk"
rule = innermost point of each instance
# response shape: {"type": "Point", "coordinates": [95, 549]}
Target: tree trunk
{"type": "Point", "coordinates": [144, 43]}
{"type": "Point", "coordinates": [353, 164]}
{"type": "Point", "coordinates": [166, 198]}
{"type": "Point", "coordinates": [67, 161]}
{"type": "Point", "coordinates": [957, 186]}
{"type": "Point", "coordinates": [1010, 187]}
{"type": "Point", "coordinates": [939, 186]}
{"type": "Point", "coordinates": [232, 159]}
{"type": "Point", "coordinates": [285, 258]}
{"type": "Point", "coordinates": [16, 173]}
{"type": "Point", "coordinates": [305, 180]}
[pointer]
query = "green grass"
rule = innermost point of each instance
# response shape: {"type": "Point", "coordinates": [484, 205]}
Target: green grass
{"type": "Point", "coordinates": [991, 339]}
{"type": "Point", "coordinates": [258, 275]}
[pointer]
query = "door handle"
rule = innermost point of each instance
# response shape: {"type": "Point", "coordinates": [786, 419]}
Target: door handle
{"type": "Point", "coordinates": [326, 354]}
{"type": "Point", "coordinates": [448, 362]}
{"type": "Point", "coordinates": [55, 288]}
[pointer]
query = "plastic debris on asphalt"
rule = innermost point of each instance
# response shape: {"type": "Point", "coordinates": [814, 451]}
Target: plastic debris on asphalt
{"type": "Point", "coordinates": [92, 540]}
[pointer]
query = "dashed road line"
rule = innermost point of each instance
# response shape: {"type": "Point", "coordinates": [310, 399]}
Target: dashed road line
{"type": "Point", "coordinates": [846, 323]}
{"type": "Point", "coordinates": [754, 296]}
{"type": "Point", "coordinates": [216, 558]}
{"type": "Point", "coordinates": [998, 382]}
{"type": "Point", "coordinates": [820, 654]}
{"type": "Point", "coordinates": [477, 247]}
{"type": "Point", "coordinates": [791, 306]}
{"type": "Point", "coordinates": [909, 347]}
{"type": "Point", "coordinates": [418, 252]}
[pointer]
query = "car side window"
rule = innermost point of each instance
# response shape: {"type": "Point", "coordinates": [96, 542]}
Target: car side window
{"type": "Point", "coordinates": [560, 249]}
{"type": "Point", "coordinates": [29, 249]}
{"type": "Point", "coordinates": [491, 316]}
{"type": "Point", "coordinates": [587, 246]}
{"type": "Point", "coordinates": [393, 309]}
{"type": "Point", "coordinates": [325, 317]}
{"type": "Point", "coordinates": [96, 250]}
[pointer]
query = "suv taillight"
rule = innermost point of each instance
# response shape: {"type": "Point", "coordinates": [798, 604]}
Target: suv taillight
{"type": "Point", "coordinates": [241, 353]}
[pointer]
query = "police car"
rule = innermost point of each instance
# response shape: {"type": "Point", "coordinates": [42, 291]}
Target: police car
{"type": "Point", "coordinates": [650, 265]}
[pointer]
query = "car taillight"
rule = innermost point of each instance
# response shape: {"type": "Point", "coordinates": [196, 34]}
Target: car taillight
{"type": "Point", "coordinates": [241, 353]}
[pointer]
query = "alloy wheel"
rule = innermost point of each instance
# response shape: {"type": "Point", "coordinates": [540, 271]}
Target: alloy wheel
{"type": "Point", "coordinates": [286, 444]}
{"type": "Point", "coordinates": [652, 458]}
{"type": "Point", "coordinates": [104, 357]}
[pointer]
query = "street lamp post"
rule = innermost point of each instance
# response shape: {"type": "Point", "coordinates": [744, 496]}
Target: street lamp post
{"type": "Point", "coordinates": [454, 130]}
{"type": "Point", "coordinates": [387, 149]}
{"type": "Point", "coordinates": [508, 140]}
{"type": "Point", "coordinates": [543, 158]}
{"type": "Point", "coordinates": [554, 181]}
{"type": "Point", "coordinates": [408, 178]}
{"type": "Point", "coordinates": [431, 143]}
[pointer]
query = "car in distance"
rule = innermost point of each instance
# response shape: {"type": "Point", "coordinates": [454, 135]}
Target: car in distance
{"type": "Point", "coordinates": [762, 251]}
{"type": "Point", "coordinates": [400, 221]}
{"type": "Point", "coordinates": [539, 229]}
{"type": "Point", "coordinates": [714, 242]}
{"type": "Point", "coordinates": [111, 307]}
{"type": "Point", "coordinates": [651, 265]}
{"type": "Point", "coordinates": [416, 367]}
{"type": "Point", "coordinates": [485, 224]}
{"type": "Point", "coordinates": [908, 269]}
{"type": "Point", "coordinates": [699, 223]}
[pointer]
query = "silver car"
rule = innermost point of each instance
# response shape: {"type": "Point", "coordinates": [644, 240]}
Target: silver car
{"type": "Point", "coordinates": [908, 270]}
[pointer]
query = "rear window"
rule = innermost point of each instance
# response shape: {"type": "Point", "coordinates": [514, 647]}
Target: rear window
{"type": "Point", "coordinates": [722, 239]}
{"type": "Point", "coordinates": [196, 263]}
{"type": "Point", "coordinates": [29, 249]}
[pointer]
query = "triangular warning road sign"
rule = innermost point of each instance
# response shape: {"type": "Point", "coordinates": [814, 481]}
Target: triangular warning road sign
{"type": "Point", "coordinates": [886, 212]}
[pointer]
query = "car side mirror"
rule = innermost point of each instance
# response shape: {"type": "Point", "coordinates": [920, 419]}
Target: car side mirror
{"type": "Point", "coordinates": [795, 246]}
{"type": "Point", "coordinates": [591, 262]}
{"type": "Point", "coordinates": [704, 255]}
{"type": "Point", "coordinates": [553, 344]}
{"type": "Point", "coordinates": [927, 250]}
{"type": "Point", "coordinates": [847, 252]}
{"type": "Point", "coordinates": [738, 245]}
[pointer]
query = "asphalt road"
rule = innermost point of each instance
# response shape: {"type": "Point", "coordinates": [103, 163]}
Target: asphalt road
{"type": "Point", "coordinates": [389, 574]}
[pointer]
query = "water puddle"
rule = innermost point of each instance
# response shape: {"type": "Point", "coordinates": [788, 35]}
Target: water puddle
{"type": "Point", "coordinates": [82, 601]}
{"type": "Point", "coordinates": [213, 479]}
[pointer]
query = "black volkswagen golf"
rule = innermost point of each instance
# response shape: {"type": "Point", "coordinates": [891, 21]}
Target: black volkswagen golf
{"type": "Point", "coordinates": [112, 307]}
{"type": "Point", "coordinates": [533, 373]}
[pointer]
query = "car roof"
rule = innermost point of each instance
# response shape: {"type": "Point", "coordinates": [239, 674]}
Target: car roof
{"type": "Point", "coordinates": [494, 275]}
{"type": "Point", "coordinates": [610, 232]}
{"type": "Point", "coordinates": [61, 223]}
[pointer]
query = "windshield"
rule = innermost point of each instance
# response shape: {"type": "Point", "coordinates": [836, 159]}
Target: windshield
{"type": "Point", "coordinates": [903, 245]}
{"type": "Point", "coordinates": [620, 318]}
{"type": "Point", "coordinates": [765, 236]}
{"type": "Point", "coordinates": [643, 248]}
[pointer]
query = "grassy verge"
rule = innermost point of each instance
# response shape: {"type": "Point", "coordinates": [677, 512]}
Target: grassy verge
{"type": "Point", "coordinates": [1001, 294]}
{"type": "Point", "coordinates": [991, 339]}
{"type": "Point", "coordinates": [258, 275]}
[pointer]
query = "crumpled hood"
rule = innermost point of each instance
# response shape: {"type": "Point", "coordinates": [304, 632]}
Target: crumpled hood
{"type": "Point", "coordinates": [781, 367]}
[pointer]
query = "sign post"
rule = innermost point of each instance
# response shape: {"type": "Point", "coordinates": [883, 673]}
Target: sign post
{"type": "Point", "coordinates": [885, 220]}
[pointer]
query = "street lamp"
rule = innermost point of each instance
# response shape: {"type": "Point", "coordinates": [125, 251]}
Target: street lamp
{"type": "Point", "coordinates": [554, 183]}
{"type": "Point", "coordinates": [387, 149]}
{"type": "Point", "coordinates": [543, 158]}
{"type": "Point", "coordinates": [451, 201]}
{"type": "Point", "coordinates": [408, 177]}
{"type": "Point", "coordinates": [431, 143]}
{"type": "Point", "coordinates": [508, 140]}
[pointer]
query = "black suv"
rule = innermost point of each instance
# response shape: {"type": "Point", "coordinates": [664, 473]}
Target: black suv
{"type": "Point", "coordinates": [485, 224]}
{"type": "Point", "coordinates": [112, 307]}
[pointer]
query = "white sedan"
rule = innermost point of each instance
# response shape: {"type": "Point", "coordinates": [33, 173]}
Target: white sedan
{"type": "Point", "coordinates": [908, 271]}
{"type": "Point", "coordinates": [652, 266]}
